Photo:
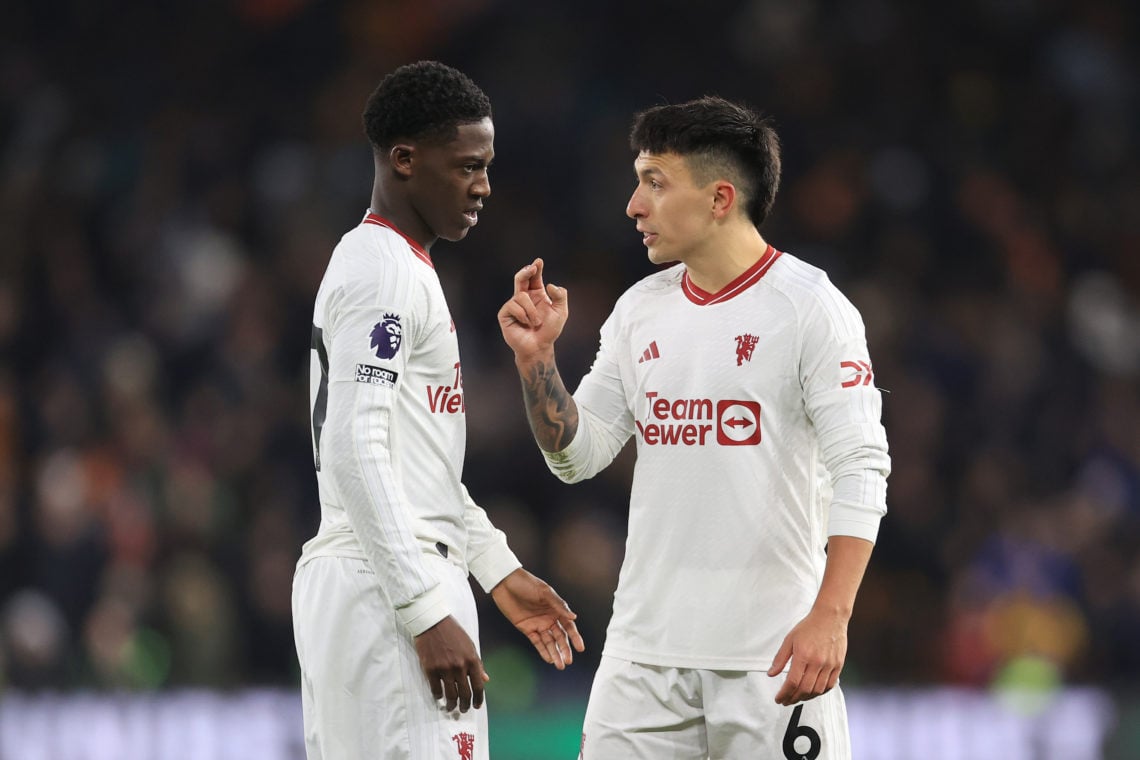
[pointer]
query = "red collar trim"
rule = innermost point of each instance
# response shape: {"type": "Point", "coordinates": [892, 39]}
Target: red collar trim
{"type": "Point", "coordinates": [421, 252]}
{"type": "Point", "coordinates": [750, 277]}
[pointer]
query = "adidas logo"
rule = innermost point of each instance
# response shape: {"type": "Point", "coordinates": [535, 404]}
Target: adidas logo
{"type": "Point", "coordinates": [650, 353]}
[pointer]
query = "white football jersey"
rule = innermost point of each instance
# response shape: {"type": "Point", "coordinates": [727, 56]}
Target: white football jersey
{"type": "Point", "coordinates": [758, 433]}
{"type": "Point", "coordinates": [389, 425]}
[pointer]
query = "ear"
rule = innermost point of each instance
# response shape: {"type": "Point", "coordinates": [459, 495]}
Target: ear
{"type": "Point", "coordinates": [400, 158]}
{"type": "Point", "coordinates": [723, 199]}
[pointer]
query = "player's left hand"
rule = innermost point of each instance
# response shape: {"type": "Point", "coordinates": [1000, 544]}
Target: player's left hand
{"type": "Point", "coordinates": [541, 614]}
{"type": "Point", "coordinates": [817, 649]}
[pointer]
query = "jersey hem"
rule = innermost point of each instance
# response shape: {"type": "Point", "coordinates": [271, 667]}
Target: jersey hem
{"type": "Point", "coordinates": [698, 662]}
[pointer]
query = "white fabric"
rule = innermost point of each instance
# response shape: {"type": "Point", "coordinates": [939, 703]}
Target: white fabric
{"type": "Point", "coordinates": [389, 426]}
{"type": "Point", "coordinates": [746, 462]}
{"type": "Point", "coordinates": [363, 694]}
{"type": "Point", "coordinates": [648, 712]}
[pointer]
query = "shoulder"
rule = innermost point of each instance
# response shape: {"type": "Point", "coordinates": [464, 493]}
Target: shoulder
{"type": "Point", "coordinates": [370, 265]}
{"type": "Point", "coordinates": [794, 275]}
{"type": "Point", "coordinates": [660, 283]}
{"type": "Point", "coordinates": [639, 298]}
{"type": "Point", "coordinates": [812, 293]}
{"type": "Point", "coordinates": [369, 248]}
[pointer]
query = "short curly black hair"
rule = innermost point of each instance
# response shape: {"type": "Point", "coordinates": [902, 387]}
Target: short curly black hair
{"type": "Point", "coordinates": [423, 100]}
{"type": "Point", "coordinates": [717, 138]}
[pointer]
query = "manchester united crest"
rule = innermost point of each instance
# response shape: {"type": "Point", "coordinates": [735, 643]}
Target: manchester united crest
{"type": "Point", "coordinates": [744, 347]}
{"type": "Point", "coordinates": [465, 744]}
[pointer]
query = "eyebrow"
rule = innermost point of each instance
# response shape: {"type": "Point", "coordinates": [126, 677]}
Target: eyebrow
{"type": "Point", "coordinates": [475, 158]}
{"type": "Point", "coordinates": [648, 172]}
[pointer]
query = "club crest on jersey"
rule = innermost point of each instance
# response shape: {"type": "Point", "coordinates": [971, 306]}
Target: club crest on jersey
{"type": "Point", "coordinates": [386, 336]}
{"type": "Point", "coordinates": [465, 744]}
{"type": "Point", "coordinates": [744, 347]}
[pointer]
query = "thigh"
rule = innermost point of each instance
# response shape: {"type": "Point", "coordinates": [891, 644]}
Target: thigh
{"type": "Point", "coordinates": [364, 696]}
{"type": "Point", "coordinates": [745, 722]}
{"type": "Point", "coordinates": [643, 712]}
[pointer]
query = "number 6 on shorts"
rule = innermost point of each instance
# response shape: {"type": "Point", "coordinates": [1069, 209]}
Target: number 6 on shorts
{"type": "Point", "coordinates": [795, 731]}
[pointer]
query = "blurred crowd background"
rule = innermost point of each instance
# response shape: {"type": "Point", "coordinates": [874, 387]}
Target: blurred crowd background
{"type": "Point", "coordinates": [174, 176]}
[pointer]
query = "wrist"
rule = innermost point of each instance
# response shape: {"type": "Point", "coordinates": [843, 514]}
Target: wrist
{"type": "Point", "coordinates": [501, 586]}
{"type": "Point", "coordinates": [543, 357]}
{"type": "Point", "coordinates": [836, 609]}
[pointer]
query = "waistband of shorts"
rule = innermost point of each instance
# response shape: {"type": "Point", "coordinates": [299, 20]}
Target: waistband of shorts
{"type": "Point", "coordinates": [439, 550]}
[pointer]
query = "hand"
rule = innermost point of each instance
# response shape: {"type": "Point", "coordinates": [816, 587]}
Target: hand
{"type": "Point", "coordinates": [540, 613]}
{"type": "Point", "coordinates": [533, 317]}
{"type": "Point", "coordinates": [452, 665]}
{"type": "Point", "coordinates": [817, 648]}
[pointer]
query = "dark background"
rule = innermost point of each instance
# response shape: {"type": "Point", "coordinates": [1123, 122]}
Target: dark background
{"type": "Point", "coordinates": [174, 175]}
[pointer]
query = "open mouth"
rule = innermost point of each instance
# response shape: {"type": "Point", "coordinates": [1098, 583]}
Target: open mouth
{"type": "Point", "coordinates": [472, 217]}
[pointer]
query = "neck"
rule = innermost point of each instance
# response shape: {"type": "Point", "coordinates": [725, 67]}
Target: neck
{"type": "Point", "coordinates": [726, 258]}
{"type": "Point", "coordinates": [396, 208]}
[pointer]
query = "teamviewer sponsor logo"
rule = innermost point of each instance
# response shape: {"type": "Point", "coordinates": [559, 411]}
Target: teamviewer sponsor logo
{"type": "Point", "coordinates": [689, 421]}
{"type": "Point", "coordinates": [366, 373]}
{"type": "Point", "coordinates": [737, 423]}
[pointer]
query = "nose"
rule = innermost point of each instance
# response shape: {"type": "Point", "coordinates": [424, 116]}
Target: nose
{"type": "Point", "coordinates": [635, 209]}
{"type": "Point", "coordinates": [481, 188]}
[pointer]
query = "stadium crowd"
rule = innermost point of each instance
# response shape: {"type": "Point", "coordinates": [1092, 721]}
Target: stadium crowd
{"type": "Point", "coordinates": [173, 177]}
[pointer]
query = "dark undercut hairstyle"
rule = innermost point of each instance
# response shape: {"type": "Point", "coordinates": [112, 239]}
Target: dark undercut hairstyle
{"type": "Point", "coordinates": [427, 100]}
{"type": "Point", "coordinates": [718, 140]}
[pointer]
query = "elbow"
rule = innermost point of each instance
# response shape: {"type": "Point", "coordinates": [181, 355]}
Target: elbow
{"type": "Point", "coordinates": [869, 460]}
{"type": "Point", "coordinates": [570, 477]}
{"type": "Point", "coordinates": [563, 469]}
{"type": "Point", "coordinates": [583, 457]}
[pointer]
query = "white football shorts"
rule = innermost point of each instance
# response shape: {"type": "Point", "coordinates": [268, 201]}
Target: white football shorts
{"type": "Point", "coordinates": [646, 712]}
{"type": "Point", "coordinates": [363, 693]}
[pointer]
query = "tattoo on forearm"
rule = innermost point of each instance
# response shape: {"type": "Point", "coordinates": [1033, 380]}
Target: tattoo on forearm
{"type": "Point", "coordinates": [552, 412]}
